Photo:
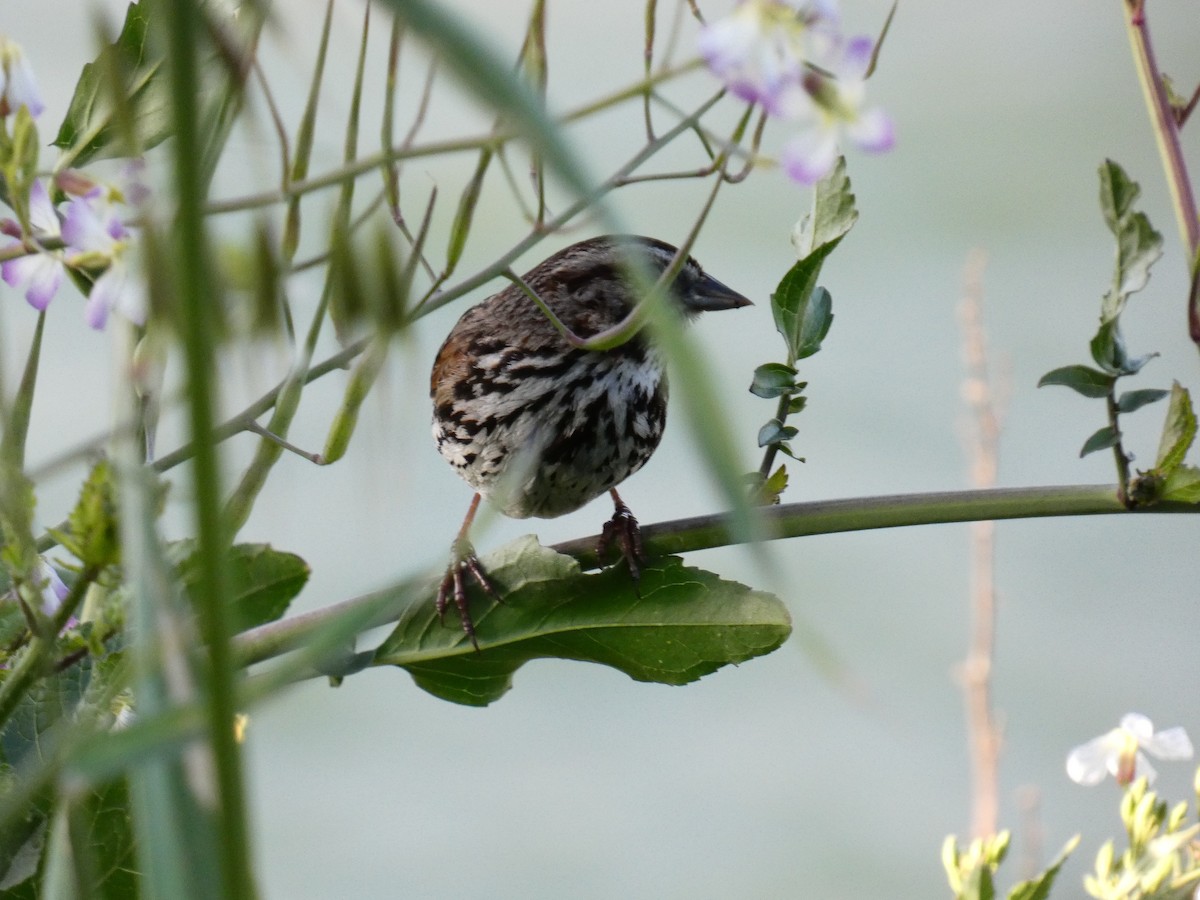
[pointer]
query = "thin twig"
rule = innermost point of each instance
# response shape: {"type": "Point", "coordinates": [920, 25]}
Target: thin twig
{"type": "Point", "coordinates": [983, 732]}
{"type": "Point", "coordinates": [238, 423]}
{"type": "Point", "coordinates": [1166, 133]}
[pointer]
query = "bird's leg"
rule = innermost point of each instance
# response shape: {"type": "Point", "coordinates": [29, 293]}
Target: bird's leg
{"type": "Point", "coordinates": [464, 565]}
{"type": "Point", "coordinates": [623, 531]}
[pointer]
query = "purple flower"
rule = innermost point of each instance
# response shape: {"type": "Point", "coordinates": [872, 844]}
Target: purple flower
{"type": "Point", "coordinates": [96, 243]}
{"type": "Point", "coordinates": [794, 62]}
{"type": "Point", "coordinates": [761, 49]}
{"type": "Point", "coordinates": [49, 586]}
{"type": "Point", "coordinates": [837, 106]}
{"type": "Point", "coordinates": [54, 591]}
{"type": "Point", "coordinates": [18, 87]}
{"type": "Point", "coordinates": [96, 239]}
{"type": "Point", "coordinates": [36, 275]}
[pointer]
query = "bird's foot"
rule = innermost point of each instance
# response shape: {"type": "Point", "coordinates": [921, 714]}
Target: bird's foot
{"type": "Point", "coordinates": [623, 532]}
{"type": "Point", "coordinates": [464, 567]}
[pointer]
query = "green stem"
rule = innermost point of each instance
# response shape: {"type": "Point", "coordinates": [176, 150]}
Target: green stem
{"type": "Point", "coordinates": [196, 292]}
{"type": "Point", "coordinates": [865, 513]}
{"type": "Point", "coordinates": [1119, 454]}
{"type": "Point", "coordinates": [781, 411]}
{"type": "Point", "coordinates": [706, 532]}
{"type": "Point", "coordinates": [16, 424]}
{"type": "Point", "coordinates": [460, 145]}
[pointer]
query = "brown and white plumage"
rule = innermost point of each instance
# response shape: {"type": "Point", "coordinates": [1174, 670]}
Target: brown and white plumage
{"type": "Point", "coordinates": [541, 427]}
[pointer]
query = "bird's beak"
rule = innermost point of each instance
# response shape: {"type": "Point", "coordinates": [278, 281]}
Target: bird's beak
{"type": "Point", "coordinates": [709, 295]}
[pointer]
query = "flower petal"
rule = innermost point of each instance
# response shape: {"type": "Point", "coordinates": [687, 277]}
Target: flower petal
{"type": "Point", "coordinates": [84, 230]}
{"type": "Point", "coordinates": [1144, 769]}
{"type": "Point", "coordinates": [857, 58]}
{"type": "Point", "coordinates": [1138, 725]}
{"type": "Point", "coordinates": [54, 591]}
{"type": "Point", "coordinates": [131, 301]}
{"type": "Point", "coordinates": [22, 87]}
{"type": "Point", "coordinates": [38, 276]}
{"type": "Point", "coordinates": [1088, 763]}
{"type": "Point", "coordinates": [100, 301]}
{"type": "Point", "coordinates": [42, 215]}
{"type": "Point", "coordinates": [1170, 743]}
{"type": "Point", "coordinates": [810, 155]}
{"type": "Point", "coordinates": [873, 131]}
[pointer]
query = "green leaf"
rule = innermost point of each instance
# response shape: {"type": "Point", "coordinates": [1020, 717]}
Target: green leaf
{"type": "Point", "coordinates": [980, 885]}
{"type": "Point", "coordinates": [1108, 347]}
{"type": "Point", "coordinates": [1108, 350]}
{"type": "Point", "coordinates": [1138, 245]}
{"type": "Point", "coordinates": [96, 127]}
{"type": "Point", "coordinates": [774, 432]}
{"type": "Point", "coordinates": [796, 404]}
{"type": "Point", "coordinates": [677, 625]}
{"type": "Point", "coordinates": [802, 310]}
{"type": "Point", "coordinates": [100, 822]}
{"type": "Point", "coordinates": [18, 547]}
{"type": "Point", "coordinates": [51, 702]}
{"type": "Point", "coordinates": [800, 316]}
{"type": "Point", "coordinates": [262, 580]}
{"type": "Point", "coordinates": [772, 489]}
{"type": "Point", "coordinates": [1117, 193]}
{"type": "Point", "coordinates": [773, 380]}
{"type": "Point", "coordinates": [1038, 888]}
{"type": "Point", "coordinates": [1103, 439]}
{"type": "Point", "coordinates": [1178, 432]}
{"type": "Point", "coordinates": [1182, 485]}
{"type": "Point", "coordinates": [833, 214]}
{"type": "Point", "coordinates": [1081, 379]}
{"type": "Point", "coordinates": [1131, 401]}
{"type": "Point", "coordinates": [92, 533]}
{"type": "Point", "coordinates": [89, 129]}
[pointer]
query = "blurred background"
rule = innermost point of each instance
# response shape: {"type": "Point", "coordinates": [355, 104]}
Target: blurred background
{"type": "Point", "coordinates": [836, 766]}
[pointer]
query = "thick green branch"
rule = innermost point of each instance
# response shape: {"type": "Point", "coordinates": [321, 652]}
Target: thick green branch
{"type": "Point", "coordinates": [706, 532]}
{"type": "Point", "coordinates": [864, 513]}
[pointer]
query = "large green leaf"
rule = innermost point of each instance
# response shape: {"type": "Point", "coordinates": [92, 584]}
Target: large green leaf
{"type": "Point", "coordinates": [49, 703]}
{"type": "Point", "coordinates": [1179, 430]}
{"type": "Point", "coordinates": [95, 127]}
{"type": "Point", "coordinates": [262, 580]}
{"type": "Point", "coordinates": [679, 624]}
{"type": "Point", "coordinates": [101, 832]}
{"type": "Point", "coordinates": [90, 130]}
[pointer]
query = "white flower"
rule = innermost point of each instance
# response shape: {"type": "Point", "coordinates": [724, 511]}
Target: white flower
{"type": "Point", "coordinates": [18, 87]}
{"type": "Point", "coordinates": [1120, 752]}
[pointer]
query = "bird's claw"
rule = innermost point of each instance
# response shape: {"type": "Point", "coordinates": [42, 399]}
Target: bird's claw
{"type": "Point", "coordinates": [464, 567]}
{"type": "Point", "coordinates": [623, 532]}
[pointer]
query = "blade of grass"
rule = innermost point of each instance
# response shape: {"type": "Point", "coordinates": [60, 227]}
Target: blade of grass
{"type": "Point", "coordinates": [196, 290]}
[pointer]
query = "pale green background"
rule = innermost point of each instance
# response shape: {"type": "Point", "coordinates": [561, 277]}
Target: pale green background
{"type": "Point", "coordinates": [774, 779]}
